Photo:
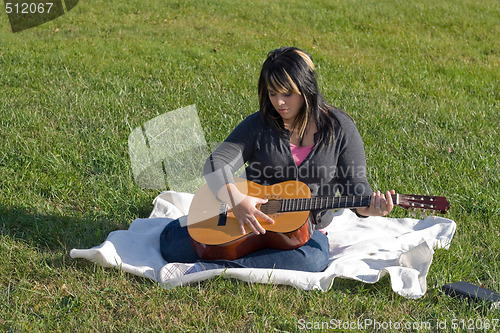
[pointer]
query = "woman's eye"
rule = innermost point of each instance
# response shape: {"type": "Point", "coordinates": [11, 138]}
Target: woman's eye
{"type": "Point", "coordinates": [286, 94]}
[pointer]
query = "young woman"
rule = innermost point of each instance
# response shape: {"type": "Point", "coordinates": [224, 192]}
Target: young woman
{"type": "Point", "coordinates": [295, 135]}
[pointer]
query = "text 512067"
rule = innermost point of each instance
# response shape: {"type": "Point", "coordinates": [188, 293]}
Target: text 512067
{"type": "Point", "coordinates": [28, 7]}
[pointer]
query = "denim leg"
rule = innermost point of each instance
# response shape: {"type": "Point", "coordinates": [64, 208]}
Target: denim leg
{"type": "Point", "coordinates": [175, 246]}
{"type": "Point", "coordinates": [310, 257]}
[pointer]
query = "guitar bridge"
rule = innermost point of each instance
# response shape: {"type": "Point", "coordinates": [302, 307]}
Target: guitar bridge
{"type": "Point", "coordinates": [224, 207]}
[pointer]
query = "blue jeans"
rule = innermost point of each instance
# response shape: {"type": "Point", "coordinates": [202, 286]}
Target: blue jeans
{"type": "Point", "coordinates": [175, 246]}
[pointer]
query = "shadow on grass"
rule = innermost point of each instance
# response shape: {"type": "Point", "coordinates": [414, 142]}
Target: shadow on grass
{"type": "Point", "coordinates": [58, 232]}
{"type": "Point", "coordinates": [353, 287]}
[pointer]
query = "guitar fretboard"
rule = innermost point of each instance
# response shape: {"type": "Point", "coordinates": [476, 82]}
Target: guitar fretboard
{"type": "Point", "coordinates": [320, 203]}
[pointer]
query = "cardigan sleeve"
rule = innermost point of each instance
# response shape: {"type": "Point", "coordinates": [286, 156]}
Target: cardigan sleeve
{"type": "Point", "coordinates": [231, 154]}
{"type": "Point", "coordinates": [352, 164]}
{"type": "Point", "coordinates": [351, 168]}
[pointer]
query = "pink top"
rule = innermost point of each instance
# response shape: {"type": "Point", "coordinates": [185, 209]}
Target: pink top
{"type": "Point", "coordinates": [300, 153]}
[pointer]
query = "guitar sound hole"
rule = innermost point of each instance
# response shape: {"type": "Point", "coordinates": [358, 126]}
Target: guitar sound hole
{"type": "Point", "coordinates": [271, 207]}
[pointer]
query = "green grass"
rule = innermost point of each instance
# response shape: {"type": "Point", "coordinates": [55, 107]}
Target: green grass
{"type": "Point", "coordinates": [420, 79]}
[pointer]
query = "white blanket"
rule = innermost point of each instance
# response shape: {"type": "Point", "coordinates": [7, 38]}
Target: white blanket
{"type": "Point", "coordinates": [360, 249]}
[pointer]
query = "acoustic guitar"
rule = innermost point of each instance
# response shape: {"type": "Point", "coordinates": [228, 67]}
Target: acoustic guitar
{"type": "Point", "coordinates": [215, 232]}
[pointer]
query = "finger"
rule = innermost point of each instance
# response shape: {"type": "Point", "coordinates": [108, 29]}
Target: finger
{"type": "Point", "coordinates": [264, 217]}
{"type": "Point", "coordinates": [390, 204]}
{"type": "Point", "coordinates": [383, 204]}
{"type": "Point", "coordinates": [372, 201]}
{"type": "Point", "coordinates": [383, 200]}
{"type": "Point", "coordinates": [250, 225]}
{"type": "Point", "coordinates": [262, 200]}
{"type": "Point", "coordinates": [377, 201]}
{"type": "Point", "coordinates": [242, 227]}
{"type": "Point", "coordinates": [256, 227]}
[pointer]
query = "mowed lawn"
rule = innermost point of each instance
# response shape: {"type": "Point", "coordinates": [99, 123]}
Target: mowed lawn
{"type": "Point", "coordinates": [421, 79]}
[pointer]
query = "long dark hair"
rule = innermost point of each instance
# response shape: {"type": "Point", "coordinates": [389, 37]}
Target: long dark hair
{"type": "Point", "coordinates": [289, 69]}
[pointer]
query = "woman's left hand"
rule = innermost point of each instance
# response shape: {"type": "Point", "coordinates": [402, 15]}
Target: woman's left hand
{"type": "Point", "coordinates": [380, 204]}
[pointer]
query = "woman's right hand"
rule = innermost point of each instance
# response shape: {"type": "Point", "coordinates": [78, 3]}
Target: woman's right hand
{"type": "Point", "coordinates": [244, 208]}
{"type": "Point", "coordinates": [246, 212]}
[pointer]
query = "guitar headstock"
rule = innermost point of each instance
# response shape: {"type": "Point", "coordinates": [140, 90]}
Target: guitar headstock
{"type": "Point", "coordinates": [423, 202]}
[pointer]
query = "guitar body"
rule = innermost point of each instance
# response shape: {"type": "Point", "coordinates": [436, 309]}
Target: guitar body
{"type": "Point", "coordinates": [216, 235]}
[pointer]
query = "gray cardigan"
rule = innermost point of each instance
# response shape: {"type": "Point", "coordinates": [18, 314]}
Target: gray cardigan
{"type": "Point", "coordinates": [329, 169]}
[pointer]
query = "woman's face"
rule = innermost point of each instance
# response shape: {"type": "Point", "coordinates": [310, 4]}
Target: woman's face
{"type": "Point", "coordinates": [287, 104]}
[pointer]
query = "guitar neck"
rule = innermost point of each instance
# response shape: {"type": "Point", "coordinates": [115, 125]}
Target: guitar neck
{"type": "Point", "coordinates": [323, 203]}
